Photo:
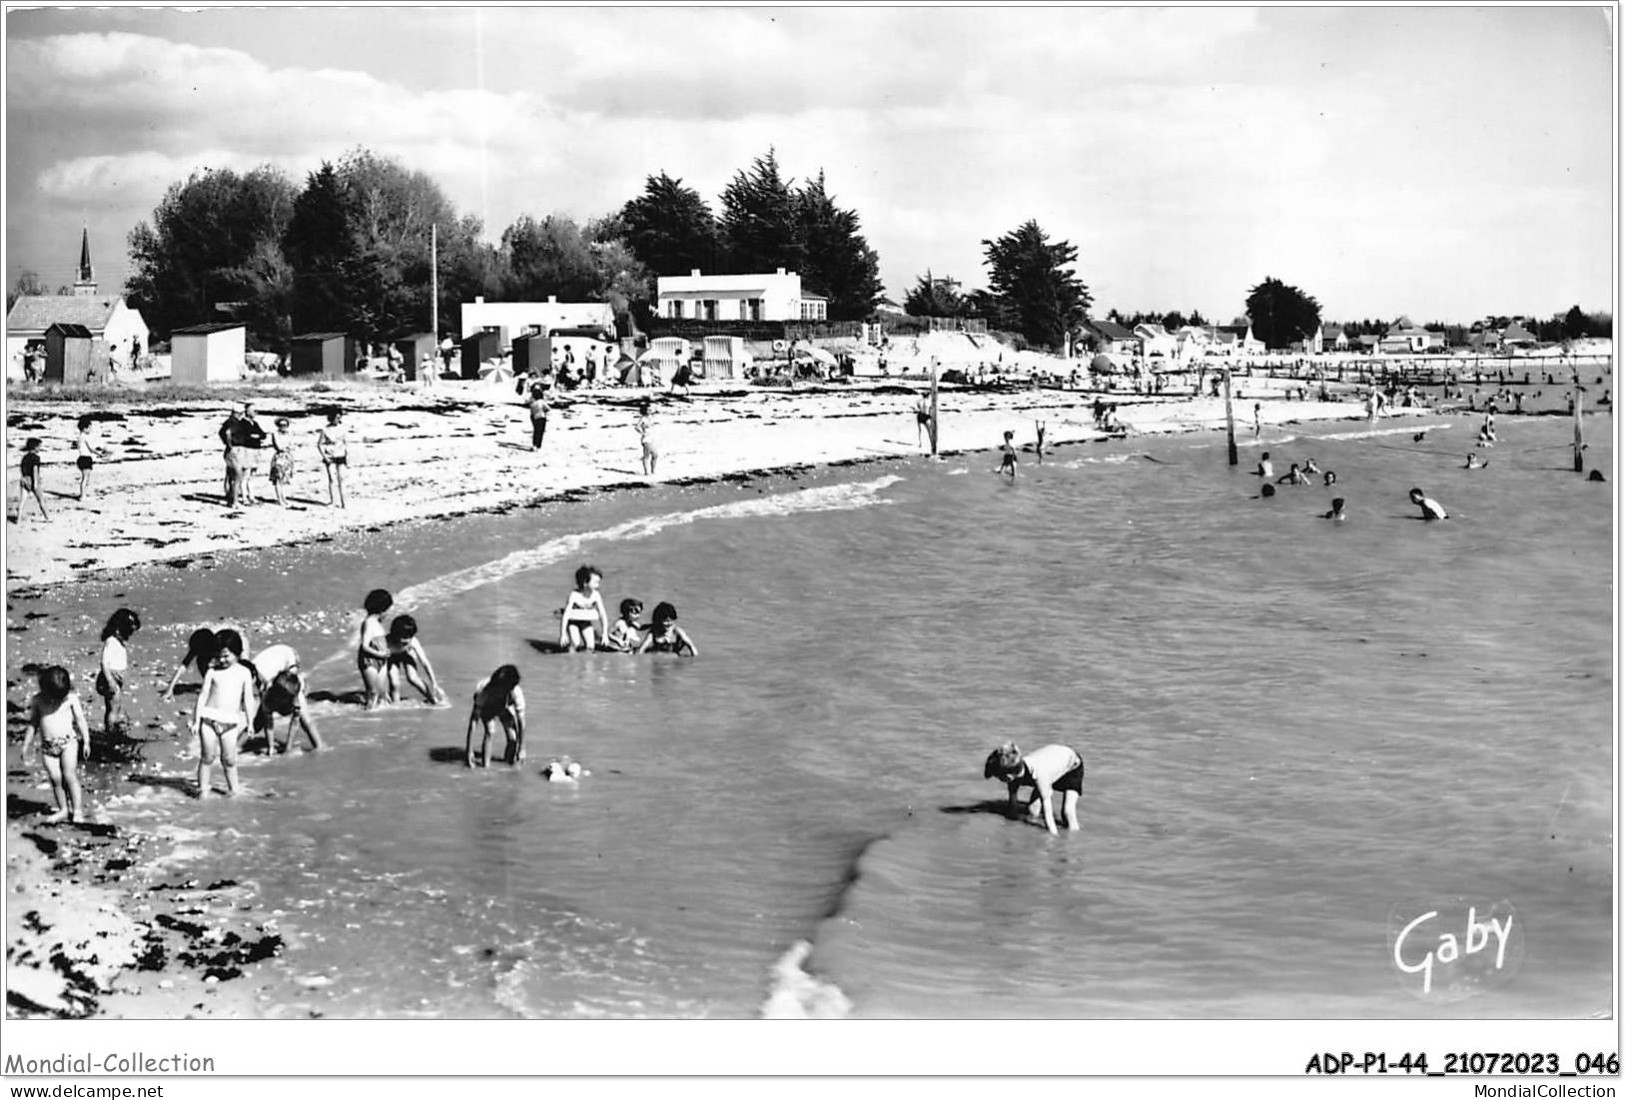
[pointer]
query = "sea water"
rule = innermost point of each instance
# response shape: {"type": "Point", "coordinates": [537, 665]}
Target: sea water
{"type": "Point", "coordinates": [1296, 732]}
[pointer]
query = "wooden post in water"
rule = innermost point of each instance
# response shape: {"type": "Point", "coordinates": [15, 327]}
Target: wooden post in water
{"type": "Point", "coordinates": [1229, 418]}
{"type": "Point", "coordinates": [1579, 434]}
{"type": "Point", "coordinates": [932, 427]}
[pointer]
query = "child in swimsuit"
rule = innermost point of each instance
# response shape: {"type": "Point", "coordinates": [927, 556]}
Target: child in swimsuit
{"type": "Point", "coordinates": [408, 659]}
{"type": "Point", "coordinates": [28, 480]}
{"type": "Point", "coordinates": [87, 455]}
{"type": "Point", "coordinates": [1046, 770]}
{"type": "Point", "coordinates": [115, 663]}
{"type": "Point", "coordinates": [584, 613]}
{"type": "Point", "coordinates": [651, 454]}
{"type": "Point", "coordinates": [1431, 509]}
{"type": "Point", "coordinates": [372, 648]}
{"type": "Point", "coordinates": [665, 636]}
{"type": "Point", "coordinates": [1266, 468]}
{"type": "Point", "coordinates": [281, 687]}
{"type": "Point", "coordinates": [497, 698]}
{"type": "Point", "coordinates": [1007, 464]}
{"type": "Point", "coordinates": [224, 706]}
{"type": "Point", "coordinates": [200, 650]}
{"type": "Point", "coordinates": [625, 634]}
{"type": "Point", "coordinates": [1337, 515]}
{"type": "Point", "coordinates": [58, 721]}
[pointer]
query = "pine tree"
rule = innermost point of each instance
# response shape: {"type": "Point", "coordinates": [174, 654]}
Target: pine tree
{"type": "Point", "coordinates": [670, 228]}
{"type": "Point", "coordinates": [1033, 285]}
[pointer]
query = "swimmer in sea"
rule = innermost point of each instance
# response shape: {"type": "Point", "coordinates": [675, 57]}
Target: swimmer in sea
{"type": "Point", "coordinates": [1267, 491]}
{"type": "Point", "coordinates": [1330, 478]}
{"type": "Point", "coordinates": [665, 636]}
{"type": "Point", "coordinates": [1293, 476]}
{"type": "Point", "coordinates": [1046, 770]}
{"type": "Point", "coordinates": [1337, 514]}
{"type": "Point", "coordinates": [1310, 468]}
{"type": "Point", "coordinates": [1431, 509]}
{"type": "Point", "coordinates": [1266, 468]}
{"type": "Point", "coordinates": [1474, 462]}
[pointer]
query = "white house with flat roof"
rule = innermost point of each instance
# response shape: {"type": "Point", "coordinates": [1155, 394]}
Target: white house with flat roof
{"type": "Point", "coordinates": [775, 297]}
{"type": "Point", "coordinates": [511, 319]}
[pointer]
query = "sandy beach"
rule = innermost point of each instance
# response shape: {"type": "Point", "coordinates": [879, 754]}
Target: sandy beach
{"type": "Point", "coordinates": [94, 924]}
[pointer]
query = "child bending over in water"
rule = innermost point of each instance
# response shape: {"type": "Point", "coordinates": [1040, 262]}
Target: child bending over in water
{"type": "Point", "coordinates": [584, 619]}
{"type": "Point", "coordinates": [58, 721]}
{"type": "Point", "coordinates": [225, 706]}
{"type": "Point", "coordinates": [1046, 770]}
{"type": "Point", "coordinates": [121, 626]}
{"type": "Point", "coordinates": [200, 650]}
{"type": "Point", "coordinates": [281, 686]}
{"type": "Point", "coordinates": [665, 636]}
{"type": "Point", "coordinates": [497, 698]}
{"type": "Point", "coordinates": [372, 648]}
{"type": "Point", "coordinates": [625, 633]}
{"type": "Point", "coordinates": [407, 658]}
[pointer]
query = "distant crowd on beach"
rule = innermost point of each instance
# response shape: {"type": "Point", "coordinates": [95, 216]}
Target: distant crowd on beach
{"type": "Point", "coordinates": [242, 699]}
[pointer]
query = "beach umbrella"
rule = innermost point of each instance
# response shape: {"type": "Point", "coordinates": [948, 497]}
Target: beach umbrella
{"type": "Point", "coordinates": [496, 370]}
{"type": "Point", "coordinates": [1102, 362]}
{"type": "Point", "coordinates": [819, 354]}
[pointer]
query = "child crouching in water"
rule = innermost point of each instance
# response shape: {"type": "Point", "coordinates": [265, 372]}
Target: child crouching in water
{"type": "Point", "coordinates": [665, 636]}
{"type": "Point", "coordinates": [225, 708]}
{"type": "Point", "coordinates": [58, 721]}
{"type": "Point", "coordinates": [625, 633]}
{"type": "Point", "coordinates": [407, 658]}
{"type": "Point", "coordinates": [497, 698]}
{"type": "Point", "coordinates": [1046, 770]}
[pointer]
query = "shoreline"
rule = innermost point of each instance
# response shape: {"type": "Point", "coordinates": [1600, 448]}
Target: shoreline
{"type": "Point", "coordinates": [93, 927]}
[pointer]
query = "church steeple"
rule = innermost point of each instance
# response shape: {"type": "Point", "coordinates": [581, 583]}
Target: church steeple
{"type": "Point", "coordinates": [85, 286]}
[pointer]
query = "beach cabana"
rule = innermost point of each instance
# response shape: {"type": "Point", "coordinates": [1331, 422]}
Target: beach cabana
{"type": "Point", "coordinates": [330, 354]}
{"type": "Point", "coordinates": [73, 355]}
{"type": "Point", "coordinates": [200, 354]}
{"type": "Point", "coordinates": [532, 353]}
{"type": "Point", "coordinates": [476, 348]}
{"type": "Point", "coordinates": [413, 348]}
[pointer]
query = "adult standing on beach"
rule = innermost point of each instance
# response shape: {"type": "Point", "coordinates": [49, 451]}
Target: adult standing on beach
{"type": "Point", "coordinates": [538, 415]}
{"type": "Point", "coordinates": [335, 452]}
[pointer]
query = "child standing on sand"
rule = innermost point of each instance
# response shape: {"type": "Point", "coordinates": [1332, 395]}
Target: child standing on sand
{"type": "Point", "coordinates": [225, 706]}
{"type": "Point", "coordinates": [584, 619]}
{"type": "Point", "coordinates": [408, 659]}
{"type": "Point", "coordinates": [497, 698]}
{"type": "Point", "coordinates": [625, 634]}
{"type": "Point", "coordinates": [665, 636]}
{"type": "Point", "coordinates": [28, 480]}
{"type": "Point", "coordinates": [58, 721]}
{"type": "Point", "coordinates": [372, 648]}
{"type": "Point", "coordinates": [87, 455]}
{"type": "Point", "coordinates": [651, 453]}
{"type": "Point", "coordinates": [121, 626]}
{"type": "Point", "coordinates": [335, 452]}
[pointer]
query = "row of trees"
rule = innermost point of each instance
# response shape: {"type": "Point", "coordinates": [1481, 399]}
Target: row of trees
{"type": "Point", "coordinates": [350, 250]}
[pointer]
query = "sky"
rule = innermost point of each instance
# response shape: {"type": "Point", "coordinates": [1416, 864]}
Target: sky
{"type": "Point", "coordinates": [1445, 163]}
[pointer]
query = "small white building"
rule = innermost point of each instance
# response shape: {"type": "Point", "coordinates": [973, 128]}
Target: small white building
{"type": "Point", "coordinates": [510, 319]}
{"type": "Point", "coordinates": [109, 320]}
{"type": "Point", "coordinates": [207, 353]}
{"type": "Point", "coordinates": [775, 297]}
{"type": "Point", "coordinates": [1156, 341]}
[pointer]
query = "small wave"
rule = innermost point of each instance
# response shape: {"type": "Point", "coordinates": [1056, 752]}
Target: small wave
{"type": "Point", "coordinates": [828, 498]}
{"type": "Point", "coordinates": [1408, 429]}
{"type": "Point", "coordinates": [798, 995]}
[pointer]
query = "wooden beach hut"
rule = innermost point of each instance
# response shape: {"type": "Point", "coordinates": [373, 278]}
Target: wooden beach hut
{"type": "Point", "coordinates": [200, 354]}
{"type": "Point", "coordinates": [532, 352]}
{"type": "Point", "coordinates": [330, 354]}
{"type": "Point", "coordinates": [477, 347]}
{"type": "Point", "coordinates": [413, 348]}
{"type": "Point", "coordinates": [73, 356]}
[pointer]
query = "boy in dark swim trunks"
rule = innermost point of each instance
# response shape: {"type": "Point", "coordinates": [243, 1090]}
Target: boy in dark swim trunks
{"type": "Point", "coordinates": [28, 480]}
{"type": "Point", "coordinates": [87, 455]}
{"type": "Point", "coordinates": [1007, 463]}
{"type": "Point", "coordinates": [1046, 770]}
